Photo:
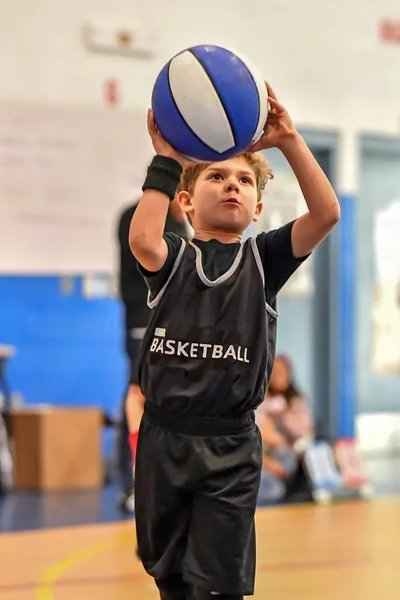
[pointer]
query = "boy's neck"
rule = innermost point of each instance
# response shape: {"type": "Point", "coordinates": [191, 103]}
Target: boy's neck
{"type": "Point", "coordinates": [225, 237]}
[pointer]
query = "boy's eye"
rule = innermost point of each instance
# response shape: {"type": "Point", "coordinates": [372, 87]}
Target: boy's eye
{"type": "Point", "coordinates": [219, 177]}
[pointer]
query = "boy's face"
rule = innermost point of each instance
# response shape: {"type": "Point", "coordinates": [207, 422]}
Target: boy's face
{"type": "Point", "coordinates": [224, 197]}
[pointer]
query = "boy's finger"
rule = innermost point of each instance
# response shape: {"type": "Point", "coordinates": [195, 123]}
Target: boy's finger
{"type": "Point", "coordinates": [150, 121]}
{"type": "Point", "coordinates": [275, 104]}
{"type": "Point", "coordinates": [270, 91]}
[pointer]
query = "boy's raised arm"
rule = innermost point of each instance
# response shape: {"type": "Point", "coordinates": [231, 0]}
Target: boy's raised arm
{"type": "Point", "coordinates": [148, 222]}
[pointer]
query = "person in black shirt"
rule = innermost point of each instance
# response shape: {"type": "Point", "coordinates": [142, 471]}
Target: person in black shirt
{"type": "Point", "coordinates": [133, 293]}
{"type": "Point", "coordinates": [207, 355]}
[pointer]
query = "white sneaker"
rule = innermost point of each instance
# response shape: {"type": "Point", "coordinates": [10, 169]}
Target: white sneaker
{"type": "Point", "coordinates": [130, 503]}
{"type": "Point", "coordinates": [127, 502]}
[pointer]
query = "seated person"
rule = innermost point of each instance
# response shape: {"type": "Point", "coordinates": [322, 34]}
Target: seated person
{"type": "Point", "coordinates": [287, 408]}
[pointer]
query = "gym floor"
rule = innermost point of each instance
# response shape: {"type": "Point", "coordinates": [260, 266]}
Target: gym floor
{"type": "Point", "coordinates": [64, 545]}
{"type": "Point", "coordinates": [32, 510]}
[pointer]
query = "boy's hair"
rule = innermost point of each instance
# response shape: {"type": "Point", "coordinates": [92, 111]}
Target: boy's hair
{"type": "Point", "coordinates": [261, 167]}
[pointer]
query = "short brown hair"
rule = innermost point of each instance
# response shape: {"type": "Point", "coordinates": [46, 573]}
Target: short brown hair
{"type": "Point", "coordinates": [261, 167]}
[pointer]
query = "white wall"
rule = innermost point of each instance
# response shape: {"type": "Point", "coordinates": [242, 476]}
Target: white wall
{"type": "Point", "coordinates": [323, 57]}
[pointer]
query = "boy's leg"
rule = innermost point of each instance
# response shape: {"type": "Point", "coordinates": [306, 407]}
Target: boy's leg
{"type": "Point", "coordinates": [125, 463]}
{"type": "Point", "coordinates": [220, 555]}
{"type": "Point", "coordinates": [165, 470]}
{"type": "Point", "coordinates": [175, 588]}
{"type": "Point", "coordinates": [124, 460]}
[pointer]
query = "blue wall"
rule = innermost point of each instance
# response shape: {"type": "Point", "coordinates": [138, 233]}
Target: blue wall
{"type": "Point", "coordinates": [69, 348]}
{"type": "Point", "coordinates": [346, 399]}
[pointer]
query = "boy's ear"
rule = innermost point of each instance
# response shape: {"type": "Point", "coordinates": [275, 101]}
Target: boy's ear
{"type": "Point", "coordinates": [257, 212]}
{"type": "Point", "coordinates": [185, 202]}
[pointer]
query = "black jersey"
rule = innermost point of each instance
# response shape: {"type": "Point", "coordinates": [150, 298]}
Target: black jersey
{"type": "Point", "coordinates": [210, 344]}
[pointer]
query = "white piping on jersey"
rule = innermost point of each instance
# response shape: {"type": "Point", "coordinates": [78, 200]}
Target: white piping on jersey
{"type": "Point", "coordinates": [258, 260]}
{"type": "Point", "coordinates": [221, 278]}
{"type": "Point", "coordinates": [199, 267]}
{"type": "Point", "coordinates": [257, 257]}
{"type": "Point", "coordinates": [153, 303]}
{"type": "Point", "coordinates": [271, 311]}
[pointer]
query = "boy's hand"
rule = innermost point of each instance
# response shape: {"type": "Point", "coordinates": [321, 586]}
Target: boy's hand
{"type": "Point", "coordinates": [278, 128]}
{"type": "Point", "coordinates": [161, 146]}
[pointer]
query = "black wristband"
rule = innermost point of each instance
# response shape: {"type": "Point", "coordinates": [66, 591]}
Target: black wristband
{"type": "Point", "coordinates": [163, 175]}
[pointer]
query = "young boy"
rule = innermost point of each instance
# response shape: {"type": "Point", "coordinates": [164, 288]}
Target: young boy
{"type": "Point", "coordinates": [208, 353]}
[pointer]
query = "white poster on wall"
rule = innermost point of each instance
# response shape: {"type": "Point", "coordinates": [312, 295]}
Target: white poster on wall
{"type": "Point", "coordinates": [385, 315]}
{"type": "Point", "coordinates": [65, 174]}
{"type": "Point", "coordinates": [283, 202]}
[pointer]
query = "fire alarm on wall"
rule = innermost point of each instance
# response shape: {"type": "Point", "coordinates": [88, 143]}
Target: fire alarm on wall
{"type": "Point", "coordinates": [111, 37]}
{"type": "Point", "coordinates": [111, 92]}
{"type": "Point", "coordinates": [389, 31]}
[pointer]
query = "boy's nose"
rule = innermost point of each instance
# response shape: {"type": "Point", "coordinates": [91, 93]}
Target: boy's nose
{"type": "Point", "coordinates": [232, 186]}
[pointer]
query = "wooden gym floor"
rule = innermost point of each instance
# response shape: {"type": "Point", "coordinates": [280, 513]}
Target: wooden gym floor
{"type": "Point", "coordinates": [346, 551]}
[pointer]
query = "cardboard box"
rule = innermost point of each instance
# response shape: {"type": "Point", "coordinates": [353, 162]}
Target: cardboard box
{"type": "Point", "coordinates": [57, 448]}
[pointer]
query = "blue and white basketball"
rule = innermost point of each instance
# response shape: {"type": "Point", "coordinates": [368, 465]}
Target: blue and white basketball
{"type": "Point", "coordinates": [210, 103]}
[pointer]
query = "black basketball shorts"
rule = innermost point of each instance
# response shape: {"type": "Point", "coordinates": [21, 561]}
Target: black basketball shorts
{"type": "Point", "coordinates": [196, 488]}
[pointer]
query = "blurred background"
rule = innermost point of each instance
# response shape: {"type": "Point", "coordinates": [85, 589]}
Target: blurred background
{"type": "Point", "coordinates": [75, 84]}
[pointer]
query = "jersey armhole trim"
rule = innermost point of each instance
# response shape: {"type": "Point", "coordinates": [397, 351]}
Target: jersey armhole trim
{"type": "Point", "coordinates": [153, 303]}
{"type": "Point", "coordinates": [258, 260]}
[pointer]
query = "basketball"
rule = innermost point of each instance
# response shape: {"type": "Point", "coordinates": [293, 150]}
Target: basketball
{"type": "Point", "coordinates": [209, 103]}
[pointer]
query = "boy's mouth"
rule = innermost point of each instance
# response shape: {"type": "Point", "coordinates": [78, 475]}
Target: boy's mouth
{"type": "Point", "coordinates": [231, 200]}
